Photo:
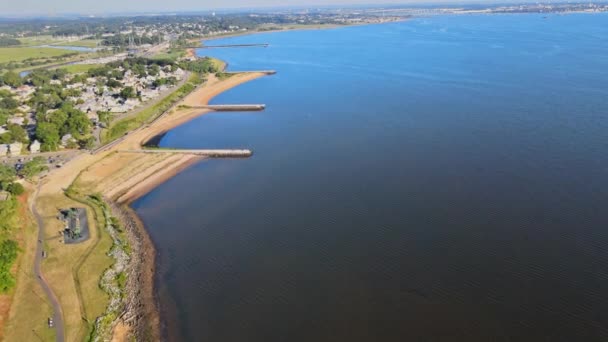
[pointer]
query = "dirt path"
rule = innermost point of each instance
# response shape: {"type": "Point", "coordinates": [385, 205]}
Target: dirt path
{"type": "Point", "coordinates": [57, 312]}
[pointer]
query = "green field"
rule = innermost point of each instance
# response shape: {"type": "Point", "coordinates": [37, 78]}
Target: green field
{"type": "Point", "coordinates": [172, 54]}
{"type": "Point", "coordinates": [22, 53]}
{"type": "Point", "coordinates": [79, 68]}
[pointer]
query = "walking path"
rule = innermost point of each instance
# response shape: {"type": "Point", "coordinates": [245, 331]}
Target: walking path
{"type": "Point", "coordinates": [57, 312]}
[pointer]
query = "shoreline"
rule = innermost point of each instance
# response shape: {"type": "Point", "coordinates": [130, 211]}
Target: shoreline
{"type": "Point", "coordinates": [292, 29]}
{"type": "Point", "coordinates": [121, 178]}
{"type": "Point", "coordinates": [144, 311]}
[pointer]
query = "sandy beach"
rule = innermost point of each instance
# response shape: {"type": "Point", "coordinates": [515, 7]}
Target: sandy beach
{"type": "Point", "coordinates": [124, 177]}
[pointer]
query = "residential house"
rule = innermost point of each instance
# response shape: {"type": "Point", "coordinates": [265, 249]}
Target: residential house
{"type": "Point", "coordinates": [35, 147]}
{"type": "Point", "coordinates": [3, 150]}
{"type": "Point", "coordinates": [15, 149]}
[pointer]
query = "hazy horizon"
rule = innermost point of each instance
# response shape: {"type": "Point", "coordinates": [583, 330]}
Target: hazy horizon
{"type": "Point", "coordinates": [55, 7]}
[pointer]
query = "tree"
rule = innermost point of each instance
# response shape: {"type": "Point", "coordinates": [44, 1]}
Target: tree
{"type": "Point", "coordinates": [112, 83]}
{"type": "Point", "coordinates": [8, 103]}
{"type": "Point", "coordinates": [4, 114]}
{"type": "Point", "coordinates": [6, 41]}
{"type": "Point", "coordinates": [58, 118]}
{"type": "Point", "coordinates": [153, 70]}
{"type": "Point", "coordinates": [7, 173]}
{"type": "Point", "coordinates": [12, 79]}
{"type": "Point", "coordinates": [8, 255]}
{"type": "Point", "coordinates": [33, 168]}
{"type": "Point", "coordinates": [128, 93]}
{"type": "Point", "coordinates": [48, 134]}
{"type": "Point", "coordinates": [15, 133]}
{"type": "Point", "coordinates": [15, 189]}
{"type": "Point", "coordinates": [78, 123]}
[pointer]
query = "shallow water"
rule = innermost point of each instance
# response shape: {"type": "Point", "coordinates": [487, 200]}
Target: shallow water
{"type": "Point", "coordinates": [439, 179]}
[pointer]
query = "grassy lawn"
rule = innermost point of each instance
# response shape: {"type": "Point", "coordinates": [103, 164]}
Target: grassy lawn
{"type": "Point", "coordinates": [119, 128]}
{"type": "Point", "coordinates": [73, 271]}
{"type": "Point", "coordinates": [79, 68]}
{"type": "Point", "coordinates": [172, 54]}
{"type": "Point", "coordinates": [219, 64]}
{"type": "Point", "coordinates": [22, 53]}
{"type": "Point", "coordinates": [29, 302]}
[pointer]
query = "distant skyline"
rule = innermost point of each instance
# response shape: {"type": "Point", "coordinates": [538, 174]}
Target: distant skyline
{"type": "Point", "coordinates": [55, 7]}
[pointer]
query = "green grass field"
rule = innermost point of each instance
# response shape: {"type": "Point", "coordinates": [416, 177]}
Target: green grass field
{"type": "Point", "coordinates": [171, 54]}
{"type": "Point", "coordinates": [79, 68]}
{"type": "Point", "coordinates": [22, 53]}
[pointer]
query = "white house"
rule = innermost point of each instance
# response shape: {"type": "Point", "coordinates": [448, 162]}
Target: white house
{"type": "Point", "coordinates": [3, 150]}
{"type": "Point", "coordinates": [35, 147]}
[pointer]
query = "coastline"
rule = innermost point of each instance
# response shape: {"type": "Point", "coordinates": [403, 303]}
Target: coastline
{"type": "Point", "coordinates": [142, 317]}
{"type": "Point", "coordinates": [291, 29]}
{"type": "Point", "coordinates": [122, 178]}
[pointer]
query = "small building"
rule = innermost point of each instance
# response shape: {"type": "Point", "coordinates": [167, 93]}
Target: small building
{"type": "Point", "coordinates": [4, 195]}
{"type": "Point", "coordinates": [3, 150]}
{"type": "Point", "coordinates": [76, 225]}
{"type": "Point", "coordinates": [15, 149]}
{"type": "Point", "coordinates": [35, 147]}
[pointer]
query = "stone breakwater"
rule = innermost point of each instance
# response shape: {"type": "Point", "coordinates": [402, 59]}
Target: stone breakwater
{"type": "Point", "coordinates": [110, 280]}
{"type": "Point", "coordinates": [140, 312]}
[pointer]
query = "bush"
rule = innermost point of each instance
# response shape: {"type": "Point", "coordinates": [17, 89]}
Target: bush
{"type": "Point", "coordinates": [15, 189]}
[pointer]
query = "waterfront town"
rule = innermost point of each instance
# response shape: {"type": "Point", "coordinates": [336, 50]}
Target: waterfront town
{"type": "Point", "coordinates": [51, 110]}
{"type": "Point", "coordinates": [85, 100]}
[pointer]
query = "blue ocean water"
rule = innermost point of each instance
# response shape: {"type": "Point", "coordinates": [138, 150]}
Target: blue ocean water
{"type": "Point", "coordinates": [439, 179]}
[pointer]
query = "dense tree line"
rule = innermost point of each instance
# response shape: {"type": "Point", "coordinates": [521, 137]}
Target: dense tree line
{"type": "Point", "coordinates": [31, 62]}
{"type": "Point", "coordinates": [5, 41]}
{"type": "Point", "coordinates": [201, 65]}
{"type": "Point", "coordinates": [8, 212]}
{"type": "Point", "coordinates": [123, 40]}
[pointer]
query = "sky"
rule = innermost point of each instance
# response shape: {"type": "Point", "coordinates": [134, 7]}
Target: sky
{"type": "Point", "coordinates": [52, 7]}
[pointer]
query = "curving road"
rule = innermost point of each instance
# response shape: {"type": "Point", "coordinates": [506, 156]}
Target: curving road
{"type": "Point", "coordinates": [57, 312]}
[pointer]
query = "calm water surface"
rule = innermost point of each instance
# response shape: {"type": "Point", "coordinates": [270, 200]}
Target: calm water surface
{"type": "Point", "coordinates": [442, 179]}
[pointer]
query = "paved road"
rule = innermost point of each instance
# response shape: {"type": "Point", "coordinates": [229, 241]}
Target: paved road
{"type": "Point", "coordinates": [57, 312]}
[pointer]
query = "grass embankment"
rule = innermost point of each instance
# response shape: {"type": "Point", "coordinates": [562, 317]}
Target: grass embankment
{"type": "Point", "coordinates": [121, 127]}
{"type": "Point", "coordinates": [73, 271]}
{"type": "Point", "coordinates": [29, 303]}
{"type": "Point", "coordinates": [88, 268]}
{"type": "Point", "coordinates": [17, 54]}
{"type": "Point", "coordinates": [171, 54]}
